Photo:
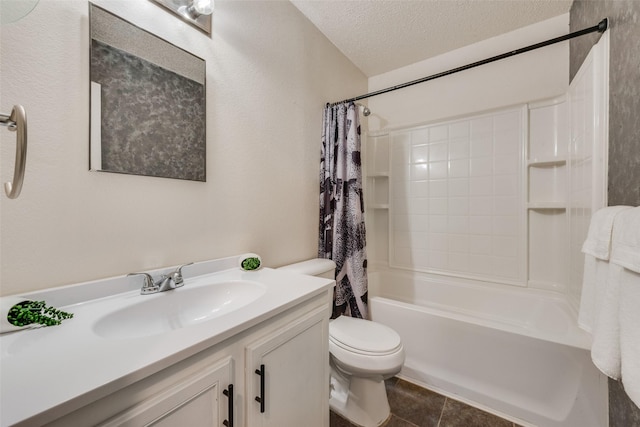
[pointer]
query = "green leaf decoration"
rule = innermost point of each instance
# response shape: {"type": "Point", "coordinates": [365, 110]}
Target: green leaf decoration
{"type": "Point", "coordinates": [29, 312]}
{"type": "Point", "coordinates": [251, 263]}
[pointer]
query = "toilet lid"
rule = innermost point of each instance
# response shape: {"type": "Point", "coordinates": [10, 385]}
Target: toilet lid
{"type": "Point", "coordinates": [363, 335]}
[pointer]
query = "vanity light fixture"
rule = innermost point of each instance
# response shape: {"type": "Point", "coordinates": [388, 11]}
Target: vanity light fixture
{"type": "Point", "coordinates": [198, 8]}
{"type": "Point", "coordinates": [195, 12]}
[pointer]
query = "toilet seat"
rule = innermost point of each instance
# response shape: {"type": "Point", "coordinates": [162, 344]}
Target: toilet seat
{"type": "Point", "coordinates": [363, 336]}
{"type": "Point", "coordinates": [364, 347]}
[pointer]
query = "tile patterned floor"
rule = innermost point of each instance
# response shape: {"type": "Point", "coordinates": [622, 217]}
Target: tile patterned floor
{"type": "Point", "coordinates": [414, 406]}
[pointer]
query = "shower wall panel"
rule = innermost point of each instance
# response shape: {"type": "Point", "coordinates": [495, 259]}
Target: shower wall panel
{"type": "Point", "coordinates": [456, 197]}
{"type": "Point", "coordinates": [588, 98]}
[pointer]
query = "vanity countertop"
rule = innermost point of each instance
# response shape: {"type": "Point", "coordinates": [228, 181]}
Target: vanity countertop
{"type": "Point", "coordinates": [48, 372]}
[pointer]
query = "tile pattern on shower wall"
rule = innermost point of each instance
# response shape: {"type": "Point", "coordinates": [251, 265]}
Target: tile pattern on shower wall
{"type": "Point", "coordinates": [456, 199]}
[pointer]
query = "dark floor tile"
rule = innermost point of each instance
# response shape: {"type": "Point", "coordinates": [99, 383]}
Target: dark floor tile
{"type": "Point", "coordinates": [391, 381]}
{"type": "Point", "coordinates": [336, 420]}
{"type": "Point", "coordinates": [458, 414]}
{"type": "Point", "coordinates": [394, 421]}
{"type": "Point", "coordinates": [414, 404]}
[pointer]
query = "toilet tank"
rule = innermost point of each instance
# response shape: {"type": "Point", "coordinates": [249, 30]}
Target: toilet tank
{"type": "Point", "coordinates": [313, 267]}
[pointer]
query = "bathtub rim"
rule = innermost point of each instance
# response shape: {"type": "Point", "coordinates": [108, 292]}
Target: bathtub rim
{"type": "Point", "coordinates": [577, 337]}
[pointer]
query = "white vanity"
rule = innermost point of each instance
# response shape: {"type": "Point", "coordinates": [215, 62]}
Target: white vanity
{"type": "Point", "coordinates": [206, 354]}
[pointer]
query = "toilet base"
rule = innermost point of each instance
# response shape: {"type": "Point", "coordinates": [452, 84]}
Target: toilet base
{"type": "Point", "coordinates": [362, 401]}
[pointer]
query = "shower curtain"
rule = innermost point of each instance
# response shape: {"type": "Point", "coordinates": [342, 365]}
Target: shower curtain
{"type": "Point", "coordinates": [342, 231]}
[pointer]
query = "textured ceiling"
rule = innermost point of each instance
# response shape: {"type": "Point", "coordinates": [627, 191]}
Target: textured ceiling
{"type": "Point", "coordinates": [382, 35]}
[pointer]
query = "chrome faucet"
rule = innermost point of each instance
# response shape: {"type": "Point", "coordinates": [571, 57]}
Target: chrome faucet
{"type": "Point", "coordinates": [166, 282]}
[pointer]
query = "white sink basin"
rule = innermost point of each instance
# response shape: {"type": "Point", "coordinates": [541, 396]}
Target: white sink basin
{"type": "Point", "coordinates": [175, 309]}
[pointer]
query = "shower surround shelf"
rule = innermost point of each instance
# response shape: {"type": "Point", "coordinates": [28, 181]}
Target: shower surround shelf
{"type": "Point", "coordinates": [378, 195]}
{"type": "Point", "coordinates": [547, 205]}
{"type": "Point", "coordinates": [549, 162]}
{"type": "Point", "coordinates": [378, 176]}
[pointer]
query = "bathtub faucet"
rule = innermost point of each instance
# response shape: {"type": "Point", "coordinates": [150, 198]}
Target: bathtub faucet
{"type": "Point", "coordinates": [166, 282]}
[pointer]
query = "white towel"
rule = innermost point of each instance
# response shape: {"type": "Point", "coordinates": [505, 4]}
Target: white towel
{"type": "Point", "coordinates": [597, 249]}
{"type": "Point", "coordinates": [598, 242]}
{"type": "Point", "coordinates": [630, 333]}
{"type": "Point", "coordinates": [627, 249]}
{"type": "Point", "coordinates": [605, 347]}
{"type": "Point", "coordinates": [594, 288]}
{"type": "Point", "coordinates": [626, 253]}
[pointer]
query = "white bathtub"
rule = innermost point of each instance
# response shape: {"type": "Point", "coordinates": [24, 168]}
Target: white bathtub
{"type": "Point", "coordinates": [515, 352]}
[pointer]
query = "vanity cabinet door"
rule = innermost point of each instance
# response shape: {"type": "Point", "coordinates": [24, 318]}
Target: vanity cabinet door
{"type": "Point", "coordinates": [198, 400]}
{"type": "Point", "coordinates": [287, 375]}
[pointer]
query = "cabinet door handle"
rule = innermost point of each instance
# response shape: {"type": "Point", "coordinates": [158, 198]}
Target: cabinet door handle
{"type": "Point", "coordinates": [229, 393]}
{"type": "Point", "coordinates": [260, 398]}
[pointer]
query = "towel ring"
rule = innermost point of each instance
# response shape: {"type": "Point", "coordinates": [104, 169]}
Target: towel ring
{"type": "Point", "coordinates": [17, 121]}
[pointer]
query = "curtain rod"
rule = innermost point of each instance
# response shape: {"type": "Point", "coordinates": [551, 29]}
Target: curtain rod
{"type": "Point", "coordinates": [601, 28]}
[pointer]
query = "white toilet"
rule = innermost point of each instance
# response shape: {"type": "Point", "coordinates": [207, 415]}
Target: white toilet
{"type": "Point", "coordinates": [362, 355]}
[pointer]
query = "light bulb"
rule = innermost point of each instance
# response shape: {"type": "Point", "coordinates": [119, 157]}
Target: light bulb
{"type": "Point", "coordinates": [203, 7]}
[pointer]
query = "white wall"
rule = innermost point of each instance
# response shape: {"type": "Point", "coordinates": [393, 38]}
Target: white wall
{"type": "Point", "coordinates": [269, 74]}
{"type": "Point", "coordinates": [538, 74]}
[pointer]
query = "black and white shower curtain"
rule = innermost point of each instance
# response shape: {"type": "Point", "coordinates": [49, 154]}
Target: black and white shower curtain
{"type": "Point", "coordinates": [342, 231]}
